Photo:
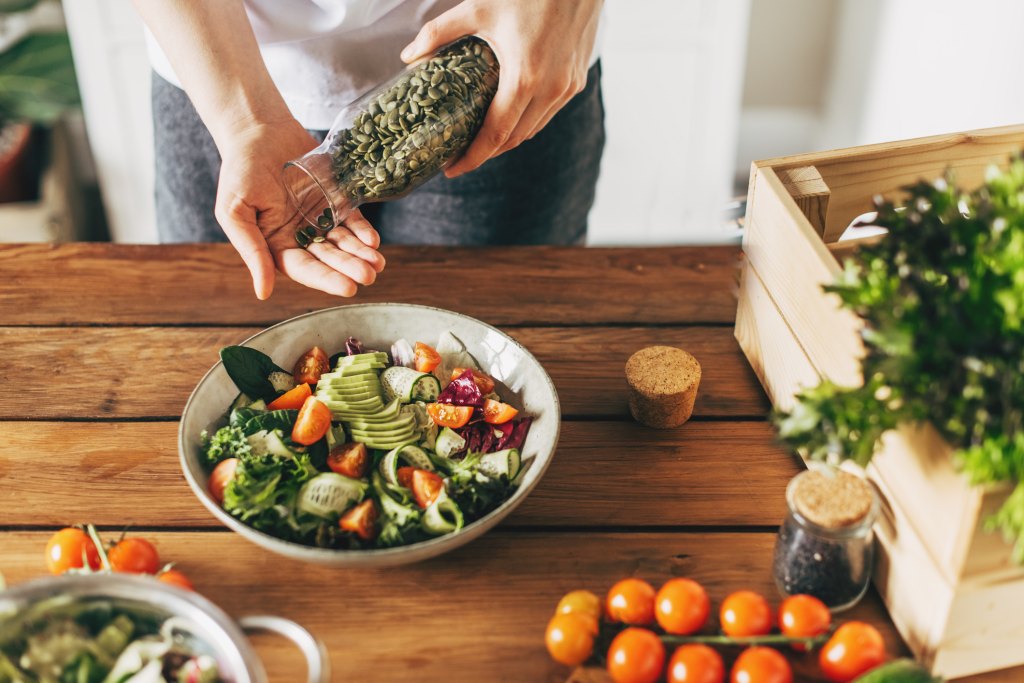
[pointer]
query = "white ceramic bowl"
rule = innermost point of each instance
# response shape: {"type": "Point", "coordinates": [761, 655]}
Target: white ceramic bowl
{"type": "Point", "coordinates": [521, 379]}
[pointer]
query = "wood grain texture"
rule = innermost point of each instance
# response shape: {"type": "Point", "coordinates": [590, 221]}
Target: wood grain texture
{"type": "Point", "coordinates": [189, 284]}
{"type": "Point", "coordinates": [476, 614]}
{"type": "Point", "coordinates": [810, 193]}
{"type": "Point", "coordinates": [604, 473]}
{"type": "Point", "coordinates": [134, 372]}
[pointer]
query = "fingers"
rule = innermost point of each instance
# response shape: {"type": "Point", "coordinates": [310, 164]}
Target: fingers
{"type": "Point", "coordinates": [503, 116]}
{"type": "Point", "coordinates": [362, 229]}
{"type": "Point", "coordinates": [347, 242]}
{"type": "Point", "coordinates": [353, 267]}
{"type": "Point", "coordinates": [301, 266]}
{"type": "Point", "coordinates": [238, 221]}
{"type": "Point", "coordinates": [453, 24]}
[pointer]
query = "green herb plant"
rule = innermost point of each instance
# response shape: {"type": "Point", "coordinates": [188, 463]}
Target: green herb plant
{"type": "Point", "coordinates": [942, 296]}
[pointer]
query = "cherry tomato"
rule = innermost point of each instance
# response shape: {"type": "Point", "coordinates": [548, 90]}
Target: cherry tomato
{"type": "Point", "coordinates": [426, 357]}
{"type": "Point", "coordinates": [176, 578]}
{"type": "Point", "coordinates": [361, 520]}
{"type": "Point", "coordinates": [803, 616]}
{"type": "Point", "coordinates": [291, 399]}
{"type": "Point", "coordinates": [134, 556]}
{"type": "Point", "coordinates": [425, 486]}
{"type": "Point", "coordinates": [580, 602]}
{"type": "Point", "coordinates": [71, 548]}
{"type": "Point", "coordinates": [498, 413]}
{"type": "Point", "coordinates": [312, 423]}
{"type": "Point", "coordinates": [745, 613]}
{"type": "Point", "coordinates": [761, 665]}
{"type": "Point", "coordinates": [570, 638]}
{"type": "Point", "coordinates": [636, 656]}
{"type": "Point", "coordinates": [484, 382]}
{"type": "Point", "coordinates": [221, 476]}
{"type": "Point", "coordinates": [310, 366]}
{"type": "Point", "coordinates": [447, 415]}
{"type": "Point", "coordinates": [631, 601]}
{"type": "Point", "coordinates": [854, 649]}
{"type": "Point", "coordinates": [696, 664]}
{"type": "Point", "coordinates": [349, 459]}
{"type": "Point", "coordinates": [681, 606]}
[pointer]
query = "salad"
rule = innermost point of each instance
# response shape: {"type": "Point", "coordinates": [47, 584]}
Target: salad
{"type": "Point", "coordinates": [365, 448]}
{"type": "Point", "coordinates": [58, 641]}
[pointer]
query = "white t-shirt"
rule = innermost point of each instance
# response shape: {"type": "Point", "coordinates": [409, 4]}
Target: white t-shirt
{"type": "Point", "coordinates": [322, 54]}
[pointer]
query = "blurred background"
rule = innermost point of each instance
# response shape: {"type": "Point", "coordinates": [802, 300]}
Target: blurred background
{"type": "Point", "coordinates": [694, 91]}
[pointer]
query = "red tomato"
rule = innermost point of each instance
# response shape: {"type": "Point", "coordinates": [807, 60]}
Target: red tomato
{"type": "Point", "coordinates": [310, 366]}
{"type": "Point", "coordinates": [312, 423]}
{"type": "Point", "coordinates": [425, 486]}
{"type": "Point", "coordinates": [580, 602]}
{"type": "Point", "coordinates": [631, 601]}
{"type": "Point", "coordinates": [854, 649]}
{"type": "Point", "coordinates": [570, 638]}
{"type": "Point", "coordinates": [71, 548]}
{"type": "Point", "coordinates": [176, 578]}
{"type": "Point", "coordinates": [134, 556]}
{"type": "Point", "coordinates": [636, 656]}
{"type": "Point", "coordinates": [349, 459]}
{"type": "Point", "coordinates": [681, 606]}
{"type": "Point", "coordinates": [446, 415]}
{"type": "Point", "coordinates": [361, 520]}
{"type": "Point", "coordinates": [221, 476]}
{"type": "Point", "coordinates": [761, 665]}
{"type": "Point", "coordinates": [745, 613]}
{"type": "Point", "coordinates": [695, 664]}
{"type": "Point", "coordinates": [426, 357]}
{"type": "Point", "coordinates": [291, 399]}
{"type": "Point", "coordinates": [803, 616]}
{"type": "Point", "coordinates": [483, 381]}
{"type": "Point", "coordinates": [498, 413]}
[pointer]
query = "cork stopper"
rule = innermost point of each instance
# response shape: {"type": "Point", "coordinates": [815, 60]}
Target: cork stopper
{"type": "Point", "coordinates": [832, 500]}
{"type": "Point", "coordinates": [663, 385]}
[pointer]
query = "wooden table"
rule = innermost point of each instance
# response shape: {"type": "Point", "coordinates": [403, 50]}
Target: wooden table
{"type": "Point", "coordinates": [102, 345]}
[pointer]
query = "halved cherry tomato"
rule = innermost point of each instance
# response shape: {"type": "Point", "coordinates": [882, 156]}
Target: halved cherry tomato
{"type": "Point", "coordinates": [681, 606]}
{"type": "Point", "coordinates": [803, 616]}
{"type": "Point", "coordinates": [695, 663]}
{"type": "Point", "coordinates": [447, 415]}
{"type": "Point", "coordinates": [854, 649]}
{"type": "Point", "coordinates": [498, 413]}
{"type": "Point", "coordinates": [636, 656]}
{"type": "Point", "coordinates": [570, 638]}
{"type": "Point", "coordinates": [425, 486]}
{"type": "Point", "coordinates": [176, 578]}
{"type": "Point", "coordinates": [310, 366]}
{"type": "Point", "coordinates": [361, 520]}
{"type": "Point", "coordinates": [745, 613]}
{"type": "Point", "coordinates": [134, 556]}
{"type": "Point", "coordinates": [291, 399]}
{"type": "Point", "coordinates": [580, 602]}
{"type": "Point", "coordinates": [221, 476]}
{"type": "Point", "coordinates": [349, 459]}
{"type": "Point", "coordinates": [312, 423]}
{"type": "Point", "coordinates": [485, 383]}
{"type": "Point", "coordinates": [426, 357]}
{"type": "Point", "coordinates": [631, 601]}
{"type": "Point", "coordinates": [71, 548]}
{"type": "Point", "coordinates": [761, 665]}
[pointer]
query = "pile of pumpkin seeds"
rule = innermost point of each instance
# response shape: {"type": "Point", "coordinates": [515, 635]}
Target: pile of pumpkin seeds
{"type": "Point", "coordinates": [410, 130]}
{"type": "Point", "coordinates": [309, 234]}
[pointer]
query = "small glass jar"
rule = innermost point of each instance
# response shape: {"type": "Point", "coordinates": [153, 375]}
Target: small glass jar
{"type": "Point", "coordinates": [825, 546]}
{"type": "Point", "coordinates": [396, 137]}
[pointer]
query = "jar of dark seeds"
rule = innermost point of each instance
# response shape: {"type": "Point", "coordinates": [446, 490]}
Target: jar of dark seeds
{"type": "Point", "coordinates": [396, 137]}
{"type": "Point", "coordinates": [825, 546]}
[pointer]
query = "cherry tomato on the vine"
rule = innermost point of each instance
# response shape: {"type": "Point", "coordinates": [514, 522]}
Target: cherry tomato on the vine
{"type": "Point", "coordinates": [745, 613]}
{"type": "Point", "coordinates": [176, 578]}
{"type": "Point", "coordinates": [71, 548]}
{"type": "Point", "coordinates": [695, 664]}
{"type": "Point", "coordinates": [761, 665]}
{"type": "Point", "coordinates": [570, 638]}
{"type": "Point", "coordinates": [631, 601]}
{"type": "Point", "coordinates": [854, 649]}
{"type": "Point", "coordinates": [134, 556]}
{"type": "Point", "coordinates": [580, 602]}
{"type": "Point", "coordinates": [681, 606]}
{"type": "Point", "coordinates": [636, 655]}
{"type": "Point", "coordinates": [803, 616]}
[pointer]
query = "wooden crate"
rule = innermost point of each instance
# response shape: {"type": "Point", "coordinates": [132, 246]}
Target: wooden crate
{"type": "Point", "coordinates": [944, 578]}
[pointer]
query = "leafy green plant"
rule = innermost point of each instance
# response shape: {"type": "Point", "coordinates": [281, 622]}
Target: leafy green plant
{"type": "Point", "coordinates": [943, 298]}
{"type": "Point", "coordinates": [37, 79]}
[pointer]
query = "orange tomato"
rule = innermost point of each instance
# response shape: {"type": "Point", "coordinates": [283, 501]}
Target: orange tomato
{"type": "Point", "coordinates": [71, 548]}
{"type": "Point", "coordinates": [426, 357]}
{"type": "Point", "coordinates": [221, 476]}
{"type": "Point", "coordinates": [803, 616]}
{"type": "Point", "coordinates": [349, 459]}
{"type": "Point", "coordinates": [854, 649]}
{"type": "Point", "coordinates": [447, 415]}
{"type": "Point", "coordinates": [745, 613]}
{"type": "Point", "coordinates": [498, 413]}
{"type": "Point", "coordinates": [425, 486]}
{"type": "Point", "coordinates": [681, 606]}
{"type": "Point", "coordinates": [361, 520]}
{"type": "Point", "coordinates": [580, 602]}
{"type": "Point", "coordinates": [636, 656]}
{"type": "Point", "coordinates": [310, 366]}
{"type": "Point", "coordinates": [291, 399]}
{"type": "Point", "coordinates": [134, 556]}
{"type": "Point", "coordinates": [761, 665]}
{"type": "Point", "coordinates": [312, 423]}
{"type": "Point", "coordinates": [631, 601]}
{"type": "Point", "coordinates": [483, 381]}
{"type": "Point", "coordinates": [570, 638]}
{"type": "Point", "coordinates": [176, 578]}
{"type": "Point", "coordinates": [695, 664]}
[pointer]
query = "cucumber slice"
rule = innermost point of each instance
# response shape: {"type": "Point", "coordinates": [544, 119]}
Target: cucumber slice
{"type": "Point", "coordinates": [504, 463]}
{"type": "Point", "coordinates": [358, 370]}
{"type": "Point", "coordinates": [269, 443]}
{"type": "Point", "coordinates": [362, 359]}
{"type": "Point", "coordinates": [399, 436]}
{"type": "Point", "coordinates": [410, 454]}
{"type": "Point", "coordinates": [408, 385]}
{"type": "Point", "coordinates": [281, 381]}
{"type": "Point", "coordinates": [448, 443]}
{"type": "Point", "coordinates": [361, 397]}
{"type": "Point", "coordinates": [402, 424]}
{"type": "Point", "coordinates": [385, 444]}
{"type": "Point", "coordinates": [357, 383]}
{"type": "Point", "coordinates": [329, 494]}
{"type": "Point", "coordinates": [442, 516]}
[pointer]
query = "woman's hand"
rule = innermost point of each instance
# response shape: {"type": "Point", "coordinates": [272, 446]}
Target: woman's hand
{"type": "Point", "coordinates": [543, 47]}
{"type": "Point", "coordinates": [254, 210]}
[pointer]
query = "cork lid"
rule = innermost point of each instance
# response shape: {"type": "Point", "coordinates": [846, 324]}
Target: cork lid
{"type": "Point", "coordinates": [832, 499]}
{"type": "Point", "coordinates": [662, 371]}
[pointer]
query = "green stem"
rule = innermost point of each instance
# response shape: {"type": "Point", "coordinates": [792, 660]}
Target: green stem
{"type": "Point", "coordinates": [776, 639]}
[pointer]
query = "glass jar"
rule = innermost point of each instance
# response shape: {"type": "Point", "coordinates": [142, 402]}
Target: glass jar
{"type": "Point", "coordinates": [825, 546]}
{"type": "Point", "coordinates": [396, 137]}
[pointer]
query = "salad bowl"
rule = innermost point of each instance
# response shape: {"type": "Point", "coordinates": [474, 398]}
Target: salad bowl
{"type": "Point", "coordinates": [522, 381]}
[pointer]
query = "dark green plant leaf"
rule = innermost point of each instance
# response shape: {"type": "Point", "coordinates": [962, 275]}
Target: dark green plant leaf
{"type": "Point", "coordinates": [37, 79]}
{"type": "Point", "coordinates": [249, 369]}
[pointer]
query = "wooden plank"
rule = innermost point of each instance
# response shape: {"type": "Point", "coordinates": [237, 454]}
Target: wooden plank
{"type": "Point", "coordinates": [189, 284]}
{"type": "Point", "coordinates": [605, 473]}
{"type": "Point", "coordinates": [477, 614]}
{"type": "Point", "coordinates": [810, 193]}
{"type": "Point", "coordinates": [133, 372]}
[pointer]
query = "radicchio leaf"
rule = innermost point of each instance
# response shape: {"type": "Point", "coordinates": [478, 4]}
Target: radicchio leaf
{"type": "Point", "coordinates": [462, 391]}
{"type": "Point", "coordinates": [482, 437]}
{"type": "Point", "coordinates": [353, 347]}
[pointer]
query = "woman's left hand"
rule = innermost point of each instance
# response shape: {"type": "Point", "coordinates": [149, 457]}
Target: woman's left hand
{"type": "Point", "coordinates": [543, 47]}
